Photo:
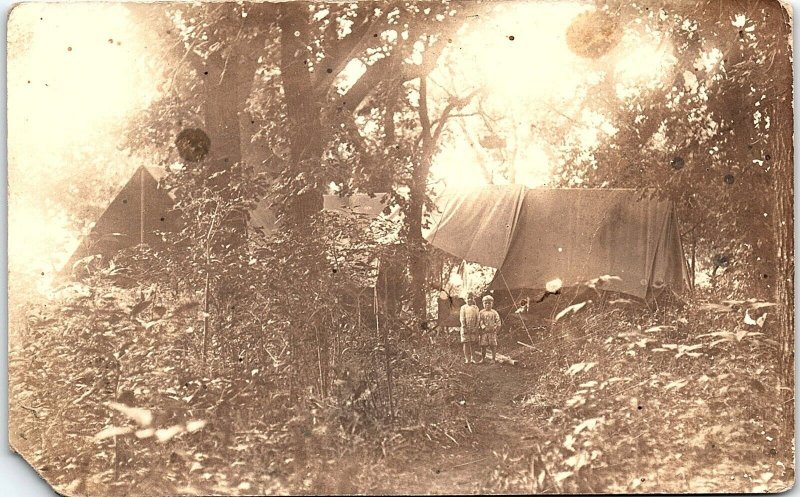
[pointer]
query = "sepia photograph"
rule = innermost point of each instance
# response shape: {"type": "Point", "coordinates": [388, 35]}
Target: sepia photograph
{"type": "Point", "coordinates": [401, 247]}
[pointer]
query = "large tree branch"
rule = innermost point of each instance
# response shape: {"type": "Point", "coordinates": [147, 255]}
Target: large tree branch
{"type": "Point", "coordinates": [453, 104]}
{"type": "Point", "coordinates": [377, 71]}
{"type": "Point", "coordinates": [357, 139]}
{"type": "Point", "coordinates": [424, 118]}
{"type": "Point", "coordinates": [347, 49]}
{"type": "Point", "coordinates": [366, 83]}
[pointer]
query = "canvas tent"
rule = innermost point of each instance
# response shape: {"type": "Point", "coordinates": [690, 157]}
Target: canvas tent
{"type": "Point", "coordinates": [362, 204]}
{"type": "Point", "coordinates": [136, 215]}
{"type": "Point", "coordinates": [538, 235]}
{"type": "Point", "coordinates": [142, 210]}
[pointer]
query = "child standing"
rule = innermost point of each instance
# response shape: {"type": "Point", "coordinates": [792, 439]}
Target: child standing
{"type": "Point", "coordinates": [469, 315]}
{"type": "Point", "coordinates": [489, 322]}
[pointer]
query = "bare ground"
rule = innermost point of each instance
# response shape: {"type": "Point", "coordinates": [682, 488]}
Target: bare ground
{"type": "Point", "coordinates": [495, 420]}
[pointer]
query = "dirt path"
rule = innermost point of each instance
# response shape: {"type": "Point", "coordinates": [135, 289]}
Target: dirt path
{"type": "Point", "coordinates": [498, 421]}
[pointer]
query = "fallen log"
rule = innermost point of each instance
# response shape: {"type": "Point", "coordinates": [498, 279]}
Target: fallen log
{"type": "Point", "coordinates": [504, 359]}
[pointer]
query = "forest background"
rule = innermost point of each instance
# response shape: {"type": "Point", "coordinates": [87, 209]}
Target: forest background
{"type": "Point", "coordinates": [689, 100]}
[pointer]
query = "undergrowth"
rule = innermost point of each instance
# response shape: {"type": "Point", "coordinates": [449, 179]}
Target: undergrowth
{"type": "Point", "coordinates": [111, 389]}
{"type": "Point", "coordinates": [684, 399]}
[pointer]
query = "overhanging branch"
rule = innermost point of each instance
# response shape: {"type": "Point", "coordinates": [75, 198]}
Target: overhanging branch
{"type": "Point", "coordinates": [453, 104]}
{"type": "Point", "coordinates": [378, 70]}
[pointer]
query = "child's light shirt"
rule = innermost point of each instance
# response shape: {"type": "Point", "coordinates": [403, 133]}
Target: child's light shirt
{"type": "Point", "coordinates": [469, 316]}
{"type": "Point", "coordinates": [489, 321]}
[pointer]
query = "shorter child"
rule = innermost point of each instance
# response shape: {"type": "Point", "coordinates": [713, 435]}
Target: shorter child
{"type": "Point", "coordinates": [489, 322]}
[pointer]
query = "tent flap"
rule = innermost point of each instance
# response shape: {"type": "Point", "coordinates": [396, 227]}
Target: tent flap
{"type": "Point", "coordinates": [477, 226]}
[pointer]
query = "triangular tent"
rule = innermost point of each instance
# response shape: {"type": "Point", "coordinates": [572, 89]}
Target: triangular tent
{"type": "Point", "coordinates": [534, 236]}
{"type": "Point", "coordinates": [136, 215]}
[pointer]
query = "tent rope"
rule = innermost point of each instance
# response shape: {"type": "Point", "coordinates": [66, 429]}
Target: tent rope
{"type": "Point", "coordinates": [141, 205]}
{"type": "Point", "coordinates": [515, 305]}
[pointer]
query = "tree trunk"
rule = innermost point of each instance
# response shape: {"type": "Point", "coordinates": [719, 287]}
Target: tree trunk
{"type": "Point", "coordinates": [694, 259]}
{"type": "Point", "coordinates": [418, 192]}
{"type": "Point", "coordinates": [224, 98]}
{"type": "Point", "coordinates": [228, 76]}
{"type": "Point", "coordinates": [303, 110]}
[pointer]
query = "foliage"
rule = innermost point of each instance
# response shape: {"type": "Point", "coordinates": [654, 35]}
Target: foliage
{"type": "Point", "coordinates": [172, 369]}
{"type": "Point", "coordinates": [702, 134]}
{"type": "Point", "coordinates": [669, 401]}
{"type": "Point", "coordinates": [204, 344]}
{"type": "Point", "coordinates": [366, 125]}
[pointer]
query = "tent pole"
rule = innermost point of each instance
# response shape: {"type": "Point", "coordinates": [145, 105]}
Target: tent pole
{"type": "Point", "coordinates": [375, 301]}
{"type": "Point", "coordinates": [141, 205]}
{"type": "Point", "coordinates": [514, 301]}
{"type": "Point", "coordinates": [694, 259]}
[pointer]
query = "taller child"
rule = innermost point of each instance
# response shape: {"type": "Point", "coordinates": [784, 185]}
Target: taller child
{"type": "Point", "coordinates": [469, 327]}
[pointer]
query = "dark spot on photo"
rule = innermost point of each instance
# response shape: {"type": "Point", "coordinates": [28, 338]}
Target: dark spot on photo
{"type": "Point", "coordinates": [193, 144]}
{"type": "Point", "coordinates": [729, 179]}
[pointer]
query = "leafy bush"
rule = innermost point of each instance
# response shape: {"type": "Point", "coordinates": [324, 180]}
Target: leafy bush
{"type": "Point", "coordinates": [672, 400]}
{"type": "Point", "coordinates": [172, 368]}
